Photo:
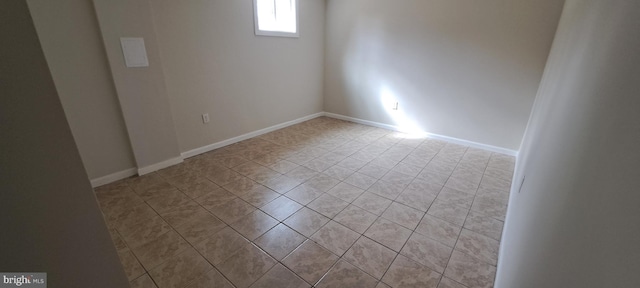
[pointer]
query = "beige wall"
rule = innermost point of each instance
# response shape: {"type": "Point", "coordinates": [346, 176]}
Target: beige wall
{"type": "Point", "coordinates": [141, 91]}
{"type": "Point", "coordinates": [204, 58]}
{"type": "Point", "coordinates": [70, 37]}
{"type": "Point", "coordinates": [462, 69]}
{"type": "Point", "coordinates": [214, 64]}
{"type": "Point", "coordinates": [575, 221]}
{"type": "Point", "coordinates": [49, 218]}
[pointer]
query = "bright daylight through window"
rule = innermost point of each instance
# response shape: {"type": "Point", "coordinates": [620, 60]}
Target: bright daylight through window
{"type": "Point", "coordinates": [276, 17]}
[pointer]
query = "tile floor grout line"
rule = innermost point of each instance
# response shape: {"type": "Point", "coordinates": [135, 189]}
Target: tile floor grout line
{"type": "Point", "coordinates": [381, 146]}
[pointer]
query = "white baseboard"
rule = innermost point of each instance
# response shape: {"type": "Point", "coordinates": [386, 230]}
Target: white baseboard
{"type": "Point", "coordinates": [246, 136]}
{"type": "Point", "coordinates": [113, 177]}
{"type": "Point", "coordinates": [427, 134]}
{"type": "Point", "coordinates": [160, 165]}
{"type": "Point", "coordinates": [164, 164]}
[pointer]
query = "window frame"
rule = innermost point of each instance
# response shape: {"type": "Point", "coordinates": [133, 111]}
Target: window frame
{"type": "Point", "coordinates": [259, 32]}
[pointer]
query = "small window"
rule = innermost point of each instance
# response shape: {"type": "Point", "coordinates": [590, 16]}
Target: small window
{"type": "Point", "coordinates": [276, 17]}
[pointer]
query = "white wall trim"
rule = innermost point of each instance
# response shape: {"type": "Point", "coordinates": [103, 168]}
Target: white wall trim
{"type": "Point", "coordinates": [113, 177]}
{"type": "Point", "coordinates": [516, 182]}
{"type": "Point", "coordinates": [246, 136]}
{"type": "Point", "coordinates": [160, 165]}
{"type": "Point", "coordinates": [164, 164]}
{"type": "Point", "coordinates": [430, 135]}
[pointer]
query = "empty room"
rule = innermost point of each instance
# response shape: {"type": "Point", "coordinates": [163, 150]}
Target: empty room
{"type": "Point", "coordinates": [320, 143]}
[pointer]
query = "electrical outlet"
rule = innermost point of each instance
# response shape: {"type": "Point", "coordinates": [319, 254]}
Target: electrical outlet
{"type": "Point", "coordinates": [395, 106]}
{"type": "Point", "coordinates": [205, 118]}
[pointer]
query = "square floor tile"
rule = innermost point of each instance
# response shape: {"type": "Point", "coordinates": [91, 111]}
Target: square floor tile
{"type": "Point", "coordinates": [388, 234]}
{"type": "Point", "coordinates": [407, 273]}
{"type": "Point", "coordinates": [317, 165]}
{"type": "Point", "coordinates": [433, 177]}
{"type": "Point", "coordinates": [448, 212]}
{"type": "Point", "coordinates": [302, 173]}
{"type": "Point", "coordinates": [155, 190]}
{"type": "Point", "coordinates": [344, 274]}
{"type": "Point", "coordinates": [448, 283]}
{"type": "Point", "coordinates": [426, 185]}
{"type": "Point", "coordinates": [449, 195]}
{"type": "Point", "coordinates": [322, 182]}
{"type": "Point", "coordinates": [213, 278]}
{"type": "Point", "coordinates": [496, 183]}
{"type": "Point", "coordinates": [164, 247]}
{"type": "Point", "coordinates": [144, 232]}
{"type": "Point", "coordinates": [223, 177]}
{"type": "Point", "coordinates": [356, 219]}
{"type": "Point", "coordinates": [470, 271]}
{"type": "Point", "coordinates": [397, 178]}
{"type": "Point", "coordinates": [200, 228]}
{"type": "Point", "coordinates": [246, 265]}
{"type": "Point", "coordinates": [241, 186]}
{"type": "Point", "coordinates": [221, 245]}
{"type": "Point", "coordinates": [386, 189]}
{"type": "Point", "coordinates": [373, 171]}
{"type": "Point", "coordinates": [442, 231]}
{"type": "Point", "coordinates": [328, 205]}
{"type": "Point", "coordinates": [283, 166]}
{"type": "Point", "coordinates": [281, 208]}
{"type": "Point", "coordinates": [360, 180]}
{"type": "Point", "coordinates": [346, 192]}
{"type": "Point", "coordinates": [403, 215]}
{"type": "Point", "coordinates": [351, 163]}
{"type": "Point", "coordinates": [372, 203]}
{"type": "Point", "coordinates": [130, 216]}
{"type": "Point", "coordinates": [478, 246]}
{"type": "Point", "coordinates": [338, 172]}
{"type": "Point", "coordinates": [215, 198]}
{"type": "Point", "coordinates": [198, 187]}
{"type": "Point", "coordinates": [233, 210]}
{"type": "Point", "coordinates": [498, 173]}
{"type": "Point", "coordinates": [184, 214]}
{"type": "Point", "coordinates": [490, 206]}
{"type": "Point", "coordinates": [280, 241]}
{"type": "Point", "coordinates": [310, 261]}
{"type": "Point", "coordinates": [416, 199]}
{"type": "Point", "coordinates": [180, 270]}
{"type": "Point", "coordinates": [259, 196]}
{"type": "Point", "coordinates": [130, 264]}
{"type": "Point", "coordinates": [306, 221]}
{"type": "Point", "coordinates": [370, 256]}
{"type": "Point", "coordinates": [462, 185]}
{"type": "Point", "coordinates": [427, 252]}
{"type": "Point", "coordinates": [282, 184]}
{"type": "Point", "coordinates": [335, 237]}
{"type": "Point", "coordinates": [168, 201]}
{"type": "Point", "coordinates": [143, 281]}
{"type": "Point", "coordinates": [484, 225]}
{"type": "Point", "coordinates": [470, 171]}
{"type": "Point", "coordinates": [407, 169]}
{"type": "Point", "coordinates": [280, 276]}
{"type": "Point", "coordinates": [255, 224]}
{"type": "Point", "coordinates": [303, 194]}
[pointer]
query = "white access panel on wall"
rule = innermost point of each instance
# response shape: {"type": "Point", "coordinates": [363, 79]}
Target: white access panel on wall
{"type": "Point", "coordinates": [135, 54]}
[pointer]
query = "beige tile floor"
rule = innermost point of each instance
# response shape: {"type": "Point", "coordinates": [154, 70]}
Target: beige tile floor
{"type": "Point", "coordinates": [324, 203]}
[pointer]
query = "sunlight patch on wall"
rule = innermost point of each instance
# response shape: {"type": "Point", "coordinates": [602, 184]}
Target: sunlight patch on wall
{"type": "Point", "coordinates": [391, 104]}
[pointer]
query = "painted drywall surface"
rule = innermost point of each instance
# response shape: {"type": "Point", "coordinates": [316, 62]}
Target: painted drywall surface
{"type": "Point", "coordinates": [50, 218]}
{"type": "Point", "coordinates": [575, 221]}
{"type": "Point", "coordinates": [215, 64]}
{"type": "Point", "coordinates": [70, 37]}
{"type": "Point", "coordinates": [141, 91]}
{"type": "Point", "coordinates": [463, 69]}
